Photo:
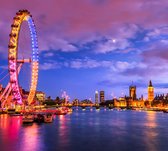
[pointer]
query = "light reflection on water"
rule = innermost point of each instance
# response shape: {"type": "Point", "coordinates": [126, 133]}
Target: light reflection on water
{"type": "Point", "coordinates": [151, 133]}
{"type": "Point", "coordinates": [88, 130]}
{"type": "Point", "coordinates": [31, 138]}
{"type": "Point", "coordinates": [63, 132]}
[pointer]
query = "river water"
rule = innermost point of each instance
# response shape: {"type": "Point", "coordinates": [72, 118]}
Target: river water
{"type": "Point", "coordinates": [103, 130]}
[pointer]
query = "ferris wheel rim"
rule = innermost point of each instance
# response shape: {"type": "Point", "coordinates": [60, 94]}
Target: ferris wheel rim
{"type": "Point", "coordinates": [22, 15]}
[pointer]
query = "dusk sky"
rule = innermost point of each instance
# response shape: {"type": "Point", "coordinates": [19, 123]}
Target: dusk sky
{"type": "Point", "coordinates": [88, 45]}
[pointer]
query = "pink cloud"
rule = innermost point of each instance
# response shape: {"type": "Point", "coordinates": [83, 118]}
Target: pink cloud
{"type": "Point", "coordinates": [112, 45]}
{"type": "Point", "coordinates": [49, 54]}
{"type": "Point", "coordinates": [50, 65]}
{"type": "Point", "coordinates": [89, 63]}
{"type": "Point", "coordinates": [75, 20]}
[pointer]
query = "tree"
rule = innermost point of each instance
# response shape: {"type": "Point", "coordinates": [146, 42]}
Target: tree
{"type": "Point", "coordinates": [147, 103]}
{"type": "Point", "coordinates": [49, 98]}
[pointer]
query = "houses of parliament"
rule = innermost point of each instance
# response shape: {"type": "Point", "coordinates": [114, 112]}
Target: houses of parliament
{"type": "Point", "coordinates": [133, 101]}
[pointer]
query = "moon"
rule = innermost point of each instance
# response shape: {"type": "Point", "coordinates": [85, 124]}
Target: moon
{"type": "Point", "coordinates": [114, 40]}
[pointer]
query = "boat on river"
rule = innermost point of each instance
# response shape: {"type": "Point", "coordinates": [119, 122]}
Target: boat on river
{"type": "Point", "coordinates": [16, 114]}
{"type": "Point", "coordinates": [28, 118]}
{"type": "Point", "coordinates": [69, 110]}
{"type": "Point", "coordinates": [11, 111]}
{"type": "Point", "coordinates": [61, 111]}
{"type": "Point", "coordinates": [48, 118]}
{"type": "Point", "coordinates": [165, 111]}
{"type": "Point", "coordinates": [39, 117]}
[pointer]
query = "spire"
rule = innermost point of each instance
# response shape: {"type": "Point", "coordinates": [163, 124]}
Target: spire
{"type": "Point", "coordinates": [150, 83]}
{"type": "Point", "coordinates": [132, 84]}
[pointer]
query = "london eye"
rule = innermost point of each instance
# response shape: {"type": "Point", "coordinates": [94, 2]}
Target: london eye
{"type": "Point", "coordinates": [15, 63]}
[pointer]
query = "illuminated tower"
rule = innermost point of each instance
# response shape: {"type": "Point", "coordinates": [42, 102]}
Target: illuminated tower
{"type": "Point", "coordinates": [132, 92]}
{"type": "Point", "coordinates": [101, 96]}
{"type": "Point", "coordinates": [65, 96]}
{"type": "Point", "coordinates": [150, 92]}
{"type": "Point", "coordinates": [96, 97]}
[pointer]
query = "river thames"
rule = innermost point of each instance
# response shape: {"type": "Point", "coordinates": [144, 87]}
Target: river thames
{"type": "Point", "coordinates": [103, 130]}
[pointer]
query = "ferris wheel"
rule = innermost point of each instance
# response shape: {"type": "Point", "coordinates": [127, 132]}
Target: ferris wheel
{"type": "Point", "coordinates": [15, 63]}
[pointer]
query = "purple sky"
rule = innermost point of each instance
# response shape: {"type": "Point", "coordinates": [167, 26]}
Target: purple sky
{"type": "Point", "coordinates": [88, 45]}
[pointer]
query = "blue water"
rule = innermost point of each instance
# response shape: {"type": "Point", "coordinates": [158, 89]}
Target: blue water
{"type": "Point", "coordinates": [88, 131]}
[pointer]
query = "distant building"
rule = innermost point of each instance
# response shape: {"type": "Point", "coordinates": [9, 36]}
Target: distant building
{"type": "Point", "coordinates": [96, 97]}
{"type": "Point", "coordinates": [160, 100]}
{"type": "Point", "coordinates": [101, 96]}
{"type": "Point", "coordinates": [123, 102]}
{"type": "Point", "coordinates": [75, 102]}
{"type": "Point", "coordinates": [86, 102]}
{"type": "Point", "coordinates": [150, 91]}
{"type": "Point", "coordinates": [40, 96]}
{"type": "Point", "coordinates": [132, 92]}
{"type": "Point", "coordinates": [128, 102]}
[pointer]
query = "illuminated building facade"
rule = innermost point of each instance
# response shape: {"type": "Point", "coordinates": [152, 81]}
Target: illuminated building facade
{"type": "Point", "coordinates": [128, 102]}
{"type": "Point", "coordinates": [101, 96]}
{"type": "Point", "coordinates": [160, 100]}
{"type": "Point", "coordinates": [150, 91]}
{"type": "Point", "coordinates": [40, 96]}
{"type": "Point", "coordinates": [75, 102]}
{"type": "Point", "coordinates": [96, 97]}
{"type": "Point", "coordinates": [132, 92]}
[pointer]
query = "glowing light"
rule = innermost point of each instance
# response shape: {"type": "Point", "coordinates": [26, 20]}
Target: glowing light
{"type": "Point", "coordinates": [24, 16]}
{"type": "Point", "coordinates": [114, 40]}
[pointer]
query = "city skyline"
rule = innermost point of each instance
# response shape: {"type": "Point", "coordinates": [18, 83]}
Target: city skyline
{"type": "Point", "coordinates": [93, 45]}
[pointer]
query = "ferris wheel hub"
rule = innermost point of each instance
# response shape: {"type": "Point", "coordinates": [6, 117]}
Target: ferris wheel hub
{"type": "Point", "coordinates": [24, 60]}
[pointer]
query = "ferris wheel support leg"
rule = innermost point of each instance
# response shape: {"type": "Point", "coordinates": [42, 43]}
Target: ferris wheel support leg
{"type": "Point", "coordinates": [7, 90]}
{"type": "Point", "coordinates": [5, 94]}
